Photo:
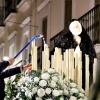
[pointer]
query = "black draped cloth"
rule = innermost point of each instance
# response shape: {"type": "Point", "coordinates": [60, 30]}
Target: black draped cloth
{"type": "Point", "coordinates": [66, 41]}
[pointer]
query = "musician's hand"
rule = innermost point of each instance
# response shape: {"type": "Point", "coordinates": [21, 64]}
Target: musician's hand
{"type": "Point", "coordinates": [11, 61]}
{"type": "Point", "coordinates": [27, 67]}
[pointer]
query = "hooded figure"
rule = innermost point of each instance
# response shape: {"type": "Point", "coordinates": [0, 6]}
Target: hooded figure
{"type": "Point", "coordinates": [74, 36]}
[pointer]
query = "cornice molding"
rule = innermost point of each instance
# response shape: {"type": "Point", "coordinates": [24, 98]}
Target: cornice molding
{"type": "Point", "coordinates": [2, 45]}
{"type": "Point", "coordinates": [11, 35]}
{"type": "Point", "coordinates": [10, 19]}
{"type": "Point", "coordinates": [1, 31]}
{"type": "Point", "coordinates": [23, 5]}
{"type": "Point", "coordinates": [42, 5]}
{"type": "Point", "coordinates": [25, 22]}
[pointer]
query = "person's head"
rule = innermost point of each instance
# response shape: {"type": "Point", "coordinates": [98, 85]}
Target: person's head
{"type": "Point", "coordinates": [75, 28]}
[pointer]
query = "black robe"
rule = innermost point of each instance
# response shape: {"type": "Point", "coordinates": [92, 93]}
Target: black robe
{"type": "Point", "coordinates": [5, 74]}
{"type": "Point", "coordinates": [66, 41]}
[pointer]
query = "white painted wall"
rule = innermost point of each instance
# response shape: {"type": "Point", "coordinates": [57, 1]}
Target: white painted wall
{"type": "Point", "coordinates": [80, 7]}
{"type": "Point", "coordinates": [57, 16]}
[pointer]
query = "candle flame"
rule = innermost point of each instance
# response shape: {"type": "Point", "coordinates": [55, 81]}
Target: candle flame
{"type": "Point", "coordinates": [41, 35]}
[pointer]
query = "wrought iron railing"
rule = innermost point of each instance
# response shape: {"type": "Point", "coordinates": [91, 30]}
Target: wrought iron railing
{"type": "Point", "coordinates": [10, 6]}
{"type": "Point", "coordinates": [2, 13]}
{"type": "Point", "coordinates": [5, 10]}
{"type": "Point", "coordinates": [90, 21]}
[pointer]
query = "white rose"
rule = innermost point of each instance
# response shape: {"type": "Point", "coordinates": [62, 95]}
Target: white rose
{"type": "Point", "coordinates": [41, 92]}
{"type": "Point", "coordinates": [26, 93]}
{"type": "Point", "coordinates": [26, 84]}
{"type": "Point", "coordinates": [61, 98]}
{"type": "Point", "coordinates": [14, 83]}
{"type": "Point", "coordinates": [48, 90]}
{"type": "Point", "coordinates": [81, 94]}
{"type": "Point", "coordinates": [43, 83]}
{"type": "Point", "coordinates": [13, 78]}
{"type": "Point", "coordinates": [29, 95]}
{"type": "Point", "coordinates": [73, 98]}
{"type": "Point", "coordinates": [34, 90]}
{"type": "Point", "coordinates": [80, 99]}
{"type": "Point", "coordinates": [80, 89]}
{"type": "Point", "coordinates": [20, 99]}
{"type": "Point", "coordinates": [61, 92]}
{"type": "Point", "coordinates": [85, 98]}
{"type": "Point", "coordinates": [60, 82]}
{"type": "Point", "coordinates": [55, 93]}
{"type": "Point", "coordinates": [53, 84]}
{"type": "Point", "coordinates": [65, 86]}
{"type": "Point", "coordinates": [54, 78]}
{"type": "Point", "coordinates": [60, 77]}
{"type": "Point", "coordinates": [26, 89]}
{"type": "Point", "coordinates": [45, 76]}
{"type": "Point", "coordinates": [38, 98]}
{"type": "Point", "coordinates": [22, 90]}
{"type": "Point", "coordinates": [18, 88]}
{"type": "Point", "coordinates": [29, 80]}
{"type": "Point", "coordinates": [18, 95]}
{"type": "Point", "coordinates": [48, 99]}
{"type": "Point", "coordinates": [50, 70]}
{"type": "Point", "coordinates": [73, 85]}
{"type": "Point", "coordinates": [6, 80]}
{"type": "Point", "coordinates": [74, 90]}
{"type": "Point", "coordinates": [66, 92]}
{"type": "Point", "coordinates": [36, 79]}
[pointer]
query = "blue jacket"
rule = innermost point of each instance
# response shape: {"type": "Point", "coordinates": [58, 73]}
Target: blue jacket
{"type": "Point", "coordinates": [5, 74]}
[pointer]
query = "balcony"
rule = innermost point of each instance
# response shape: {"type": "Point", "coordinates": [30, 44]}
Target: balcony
{"type": "Point", "coordinates": [10, 6]}
{"type": "Point", "coordinates": [24, 5]}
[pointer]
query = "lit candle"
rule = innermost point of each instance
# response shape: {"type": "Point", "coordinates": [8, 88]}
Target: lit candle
{"type": "Point", "coordinates": [71, 64]}
{"type": "Point", "coordinates": [52, 61]}
{"type": "Point", "coordinates": [94, 69]}
{"type": "Point", "coordinates": [66, 63]}
{"type": "Point", "coordinates": [87, 74]}
{"type": "Point", "coordinates": [76, 68]}
{"type": "Point", "coordinates": [43, 60]}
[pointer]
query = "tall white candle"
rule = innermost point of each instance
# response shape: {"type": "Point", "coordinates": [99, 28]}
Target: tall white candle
{"type": "Point", "coordinates": [76, 68]}
{"type": "Point", "coordinates": [87, 74]}
{"type": "Point", "coordinates": [94, 69]}
{"type": "Point", "coordinates": [66, 64]}
{"type": "Point", "coordinates": [43, 60]}
{"type": "Point", "coordinates": [33, 51]}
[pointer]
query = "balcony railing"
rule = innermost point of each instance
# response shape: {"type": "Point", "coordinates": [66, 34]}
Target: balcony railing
{"type": "Point", "coordinates": [2, 13]}
{"type": "Point", "coordinates": [90, 21]}
{"type": "Point", "coordinates": [9, 7]}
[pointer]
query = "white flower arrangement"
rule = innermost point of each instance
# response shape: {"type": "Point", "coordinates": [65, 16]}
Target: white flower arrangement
{"type": "Point", "coordinates": [45, 85]}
